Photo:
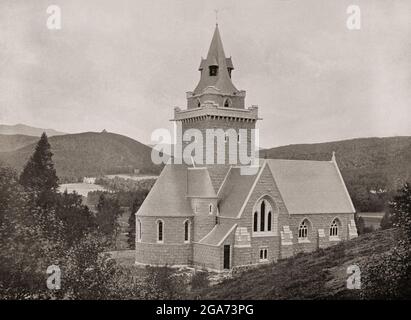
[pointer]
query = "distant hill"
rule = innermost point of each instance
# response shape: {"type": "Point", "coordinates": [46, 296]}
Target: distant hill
{"type": "Point", "coordinates": [15, 141]}
{"type": "Point", "coordinates": [371, 167]}
{"type": "Point", "coordinates": [89, 154]}
{"type": "Point", "coordinates": [27, 130]}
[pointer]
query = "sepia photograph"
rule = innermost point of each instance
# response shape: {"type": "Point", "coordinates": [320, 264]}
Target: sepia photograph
{"type": "Point", "coordinates": [202, 157]}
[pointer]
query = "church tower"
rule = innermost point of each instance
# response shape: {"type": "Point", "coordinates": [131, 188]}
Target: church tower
{"type": "Point", "coordinates": [217, 104]}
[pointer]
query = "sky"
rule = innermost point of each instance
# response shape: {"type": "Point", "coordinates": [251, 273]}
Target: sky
{"type": "Point", "coordinates": [124, 65]}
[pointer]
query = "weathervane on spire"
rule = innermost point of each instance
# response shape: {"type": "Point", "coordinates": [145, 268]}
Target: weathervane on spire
{"type": "Point", "coordinates": [216, 16]}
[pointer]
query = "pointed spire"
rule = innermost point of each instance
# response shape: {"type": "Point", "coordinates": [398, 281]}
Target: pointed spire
{"type": "Point", "coordinates": [216, 58]}
{"type": "Point", "coordinates": [216, 50]}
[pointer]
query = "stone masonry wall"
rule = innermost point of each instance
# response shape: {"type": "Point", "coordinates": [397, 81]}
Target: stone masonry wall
{"type": "Point", "coordinates": [173, 250]}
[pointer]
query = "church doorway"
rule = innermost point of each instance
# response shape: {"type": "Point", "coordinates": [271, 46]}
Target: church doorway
{"type": "Point", "coordinates": [227, 257]}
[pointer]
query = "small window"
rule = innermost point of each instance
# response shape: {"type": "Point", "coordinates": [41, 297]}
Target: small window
{"type": "Point", "coordinates": [139, 230]}
{"type": "Point", "coordinates": [213, 71]}
{"type": "Point", "coordinates": [334, 228]}
{"type": "Point", "coordinates": [198, 104]}
{"type": "Point", "coordinates": [269, 221]}
{"type": "Point", "coordinates": [186, 231]}
{"type": "Point", "coordinates": [255, 222]}
{"type": "Point", "coordinates": [159, 231]}
{"type": "Point", "coordinates": [210, 208]}
{"type": "Point", "coordinates": [263, 254]}
{"type": "Point", "coordinates": [303, 230]}
{"type": "Point", "coordinates": [262, 216]}
{"type": "Point", "coordinates": [227, 103]}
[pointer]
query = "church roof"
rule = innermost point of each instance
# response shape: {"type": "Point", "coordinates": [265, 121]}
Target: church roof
{"type": "Point", "coordinates": [168, 195]}
{"type": "Point", "coordinates": [234, 192]}
{"type": "Point", "coordinates": [311, 186]}
{"type": "Point", "coordinates": [216, 57]}
{"type": "Point", "coordinates": [219, 233]}
{"type": "Point", "coordinates": [306, 187]}
{"type": "Point", "coordinates": [199, 183]}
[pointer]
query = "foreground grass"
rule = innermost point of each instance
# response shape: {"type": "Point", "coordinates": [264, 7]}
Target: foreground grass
{"type": "Point", "coordinates": [318, 275]}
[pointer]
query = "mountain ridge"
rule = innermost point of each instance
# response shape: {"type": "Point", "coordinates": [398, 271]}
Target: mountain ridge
{"type": "Point", "coordinates": [372, 168]}
{"type": "Point", "coordinates": [23, 129]}
{"type": "Point", "coordinates": [89, 154]}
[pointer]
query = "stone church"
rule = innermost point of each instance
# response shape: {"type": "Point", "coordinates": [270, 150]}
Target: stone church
{"type": "Point", "coordinates": [215, 217]}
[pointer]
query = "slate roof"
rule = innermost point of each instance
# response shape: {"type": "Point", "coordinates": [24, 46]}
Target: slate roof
{"type": "Point", "coordinates": [219, 232]}
{"type": "Point", "coordinates": [306, 187]}
{"type": "Point", "coordinates": [217, 173]}
{"type": "Point", "coordinates": [199, 183]}
{"type": "Point", "coordinates": [216, 57]}
{"type": "Point", "coordinates": [311, 186]}
{"type": "Point", "coordinates": [168, 195]}
{"type": "Point", "coordinates": [234, 192]}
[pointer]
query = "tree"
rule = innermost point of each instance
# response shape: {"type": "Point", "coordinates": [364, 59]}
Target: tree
{"type": "Point", "coordinates": [359, 222]}
{"type": "Point", "coordinates": [108, 212]}
{"type": "Point", "coordinates": [9, 187]}
{"type": "Point", "coordinates": [76, 217]}
{"type": "Point", "coordinates": [388, 275]}
{"type": "Point", "coordinates": [27, 246]}
{"type": "Point", "coordinates": [386, 221]}
{"type": "Point", "coordinates": [32, 238]}
{"type": "Point", "coordinates": [39, 173]}
{"type": "Point", "coordinates": [401, 211]}
{"type": "Point", "coordinates": [162, 283]}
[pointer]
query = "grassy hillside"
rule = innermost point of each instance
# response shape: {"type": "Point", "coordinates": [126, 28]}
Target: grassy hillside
{"type": "Point", "coordinates": [366, 164]}
{"type": "Point", "coordinates": [89, 154]}
{"type": "Point", "coordinates": [15, 141]}
{"type": "Point", "coordinates": [318, 275]}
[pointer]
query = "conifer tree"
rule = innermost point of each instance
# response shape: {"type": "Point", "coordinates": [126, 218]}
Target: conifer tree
{"type": "Point", "coordinates": [39, 174]}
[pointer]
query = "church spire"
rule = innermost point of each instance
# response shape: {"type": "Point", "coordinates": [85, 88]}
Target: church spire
{"type": "Point", "coordinates": [216, 68]}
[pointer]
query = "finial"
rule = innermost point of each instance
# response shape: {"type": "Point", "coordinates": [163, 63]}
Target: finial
{"type": "Point", "coordinates": [216, 17]}
{"type": "Point", "coordinates": [333, 157]}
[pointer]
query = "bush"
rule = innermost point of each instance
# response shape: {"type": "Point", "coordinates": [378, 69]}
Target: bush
{"type": "Point", "coordinates": [163, 283]}
{"type": "Point", "coordinates": [387, 275]}
{"type": "Point", "coordinates": [200, 280]}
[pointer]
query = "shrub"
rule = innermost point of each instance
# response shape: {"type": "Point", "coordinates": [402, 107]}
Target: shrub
{"type": "Point", "coordinates": [200, 280]}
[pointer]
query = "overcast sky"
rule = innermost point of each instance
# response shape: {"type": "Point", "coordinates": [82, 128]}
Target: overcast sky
{"type": "Point", "coordinates": [123, 65]}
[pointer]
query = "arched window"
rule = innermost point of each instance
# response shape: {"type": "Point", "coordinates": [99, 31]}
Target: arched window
{"type": "Point", "coordinates": [227, 103]}
{"type": "Point", "coordinates": [139, 230]}
{"type": "Point", "coordinates": [186, 231]}
{"type": "Point", "coordinates": [210, 208]}
{"type": "Point", "coordinates": [269, 221]}
{"type": "Point", "coordinates": [255, 223]}
{"type": "Point", "coordinates": [262, 216]}
{"type": "Point", "coordinates": [303, 230]}
{"type": "Point", "coordinates": [334, 228]}
{"type": "Point", "coordinates": [198, 103]}
{"type": "Point", "coordinates": [160, 231]}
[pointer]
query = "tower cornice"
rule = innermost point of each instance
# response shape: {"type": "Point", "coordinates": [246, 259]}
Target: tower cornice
{"type": "Point", "coordinates": [211, 109]}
